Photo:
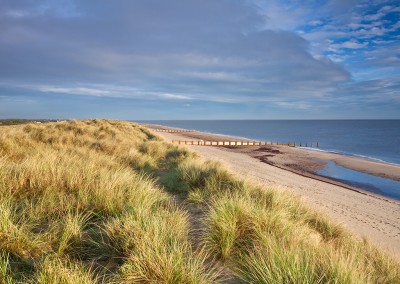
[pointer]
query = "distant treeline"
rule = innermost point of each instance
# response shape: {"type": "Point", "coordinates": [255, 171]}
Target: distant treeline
{"type": "Point", "coordinates": [23, 121]}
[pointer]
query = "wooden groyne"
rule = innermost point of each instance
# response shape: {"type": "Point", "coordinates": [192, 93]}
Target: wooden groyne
{"type": "Point", "coordinates": [230, 143]}
{"type": "Point", "coordinates": [172, 130]}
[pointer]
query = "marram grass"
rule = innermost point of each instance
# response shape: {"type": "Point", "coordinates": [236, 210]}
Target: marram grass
{"type": "Point", "coordinates": [95, 201]}
{"type": "Point", "coordinates": [268, 236]}
{"type": "Point", "coordinates": [80, 205]}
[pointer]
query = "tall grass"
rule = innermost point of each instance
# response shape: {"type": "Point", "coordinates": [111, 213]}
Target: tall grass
{"type": "Point", "coordinates": [5, 269]}
{"type": "Point", "coordinates": [82, 194]}
{"type": "Point", "coordinates": [157, 249]}
{"type": "Point", "coordinates": [268, 236]}
{"type": "Point", "coordinates": [95, 201]}
{"type": "Point", "coordinates": [63, 272]}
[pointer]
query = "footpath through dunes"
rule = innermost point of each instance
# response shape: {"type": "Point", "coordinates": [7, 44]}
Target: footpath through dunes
{"type": "Point", "coordinates": [102, 201]}
{"type": "Point", "coordinates": [366, 215]}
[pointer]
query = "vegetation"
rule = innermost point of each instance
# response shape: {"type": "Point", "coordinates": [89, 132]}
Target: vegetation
{"type": "Point", "coordinates": [101, 201]}
{"type": "Point", "coordinates": [23, 121]}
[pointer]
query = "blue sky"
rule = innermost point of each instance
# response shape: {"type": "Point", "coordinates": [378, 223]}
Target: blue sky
{"type": "Point", "coordinates": [199, 59]}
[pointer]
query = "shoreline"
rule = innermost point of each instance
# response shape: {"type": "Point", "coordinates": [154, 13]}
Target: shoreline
{"type": "Point", "coordinates": [354, 162]}
{"type": "Point", "coordinates": [363, 213]}
{"type": "Point", "coordinates": [371, 159]}
{"type": "Point", "coordinates": [240, 138]}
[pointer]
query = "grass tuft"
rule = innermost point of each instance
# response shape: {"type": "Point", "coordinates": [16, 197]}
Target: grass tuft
{"type": "Point", "coordinates": [64, 272]}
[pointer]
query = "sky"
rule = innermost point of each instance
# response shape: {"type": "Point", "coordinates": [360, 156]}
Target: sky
{"type": "Point", "coordinates": [200, 59]}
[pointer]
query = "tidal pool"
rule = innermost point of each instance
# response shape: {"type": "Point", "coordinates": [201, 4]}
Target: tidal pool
{"type": "Point", "coordinates": [382, 186]}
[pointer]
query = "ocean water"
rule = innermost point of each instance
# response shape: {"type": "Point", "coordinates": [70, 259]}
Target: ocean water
{"type": "Point", "coordinates": [373, 139]}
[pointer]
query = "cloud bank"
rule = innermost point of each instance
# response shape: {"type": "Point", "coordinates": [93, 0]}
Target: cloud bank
{"type": "Point", "coordinates": [217, 54]}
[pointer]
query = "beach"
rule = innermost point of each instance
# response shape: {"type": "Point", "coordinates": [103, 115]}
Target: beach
{"type": "Point", "coordinates": [292, 169]}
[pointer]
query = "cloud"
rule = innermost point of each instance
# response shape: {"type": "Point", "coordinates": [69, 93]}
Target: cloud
{"type": "Point", "coordinates": [202, 51]}
{"type": "Point", "coordinates": [174, 96]}
{"type": "Point", "coordinates": [351, 44]}
{"type": "Point", "coordinates": [75, 91]}
{"type": "Point", "coordinates": [162, 48]}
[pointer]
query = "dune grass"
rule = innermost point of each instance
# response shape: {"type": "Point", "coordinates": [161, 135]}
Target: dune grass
{"type": "Point", "coordinates": [268, 236]}
{"type": "Point", "coordinates": [80, 204]}
{"type": "Point", "coordinates": [101, 201]}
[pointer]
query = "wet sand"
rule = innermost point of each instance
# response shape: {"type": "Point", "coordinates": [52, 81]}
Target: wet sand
{"type": "Point", "coordinates": [363, 213]}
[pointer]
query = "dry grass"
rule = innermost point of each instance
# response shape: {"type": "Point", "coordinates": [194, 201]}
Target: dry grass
{"type": "Point", "coordinates": [80, 205]}
{"type": "Point", "coordinates": [268, 236]}
{"type": "Point", "coordinates": [94, 202]}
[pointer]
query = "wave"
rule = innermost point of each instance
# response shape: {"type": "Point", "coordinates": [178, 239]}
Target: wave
{"type": "Point", "coordinates": [351, 155]}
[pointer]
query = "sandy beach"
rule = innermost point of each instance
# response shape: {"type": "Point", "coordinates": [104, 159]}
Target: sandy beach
{"type": "Point", "coordinates": [363, 213]}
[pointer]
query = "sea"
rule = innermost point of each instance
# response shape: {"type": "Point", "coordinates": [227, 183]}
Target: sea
{"type": "Point", "coordinates": [371, 139]}
{"type": "Point", "coordinates": [377, 140]}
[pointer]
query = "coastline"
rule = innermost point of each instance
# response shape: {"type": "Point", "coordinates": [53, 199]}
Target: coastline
{"type": "Point", "coordinates": [301, 159]}
{"type": "Point", "coordinates": [364, 213]}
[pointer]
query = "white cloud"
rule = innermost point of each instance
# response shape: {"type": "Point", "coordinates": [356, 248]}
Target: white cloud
{"type": "Point", "coordinates": [351, 44]}
{"type": "Point", "coordinates": [173, 96]}
{"type": "Point", "coordinates": [75, 91]}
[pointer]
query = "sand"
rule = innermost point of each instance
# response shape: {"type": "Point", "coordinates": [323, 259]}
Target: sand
{"type": "Point", "coordinates": [364, 214]}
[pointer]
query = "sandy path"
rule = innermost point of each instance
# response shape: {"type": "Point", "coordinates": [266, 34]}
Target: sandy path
{"type": "Point", "coordinates": [364, 215]}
